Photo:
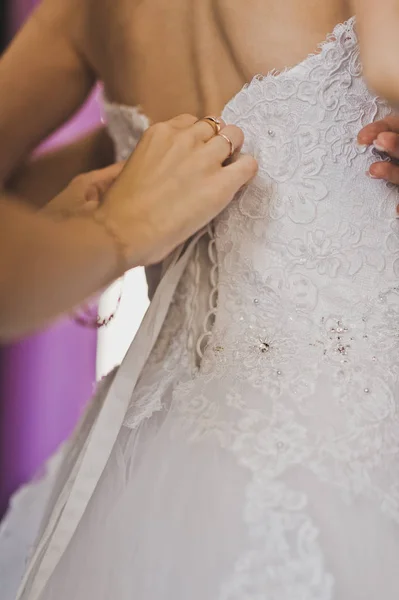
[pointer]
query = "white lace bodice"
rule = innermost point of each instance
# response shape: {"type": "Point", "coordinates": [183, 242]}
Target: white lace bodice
{"type": "Point", "coordinates": [308, 253]}
{"type": "Point", "coordinates": [294, 361]}
{"type": "Point", "coordinates": [259, 454]}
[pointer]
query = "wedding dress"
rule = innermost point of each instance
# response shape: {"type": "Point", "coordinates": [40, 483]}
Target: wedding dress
{"type": "Point", "coordinates": [259, 453]}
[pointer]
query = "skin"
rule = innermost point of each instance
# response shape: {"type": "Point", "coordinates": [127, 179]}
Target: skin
{"type": "Point", "coordinates": [192, 59]}
{"type": "Point", "coordinates": [122, 217]}
{"type": "Point", "coordinates": [384, 135]}
{"type": "Point", "coordinates": [378, 25]}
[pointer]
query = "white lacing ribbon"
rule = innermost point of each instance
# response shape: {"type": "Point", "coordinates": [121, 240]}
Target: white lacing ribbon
{"type": "Point", "coordinates": [98, 445]}
{"type": "Point", "coordinates": [209, 320]}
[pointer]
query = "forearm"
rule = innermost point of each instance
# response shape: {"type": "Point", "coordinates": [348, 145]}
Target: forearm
{"type": "Point", "coordinates": [45, 176]}
{"type": "Point", "coordinates": [43, 81]}
{"type": "Point", "coordinates": [47, 268]}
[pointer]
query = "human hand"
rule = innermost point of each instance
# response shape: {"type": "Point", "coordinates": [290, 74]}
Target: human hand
{"type": "Point", "coordinates": [84, 194]}
{"type": "Point", "coordinates": [173, 185]}
{"type": "Point", "coordinates": [384, 136]}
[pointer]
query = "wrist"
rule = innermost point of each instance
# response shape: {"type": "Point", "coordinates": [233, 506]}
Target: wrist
{"type": "Point", "coordinates": [91, 240]}
{"type": "Point", "coordinates": [120, 247]}
{"type": "Point", "coordinates": [131, 231]}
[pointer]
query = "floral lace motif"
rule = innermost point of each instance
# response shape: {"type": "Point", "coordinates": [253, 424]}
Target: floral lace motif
{"type": "Point", "coordinates": [173, 352]}
{"type": "Point", "coordinates": [302, 366]}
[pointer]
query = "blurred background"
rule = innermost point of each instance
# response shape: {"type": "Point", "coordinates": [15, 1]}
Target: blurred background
{"type": "Point", "coordinates": [46, 380]}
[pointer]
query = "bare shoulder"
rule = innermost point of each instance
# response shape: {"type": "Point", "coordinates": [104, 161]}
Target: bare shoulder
{"type": "Point", "coordinates": [101, 28]}
{"type": "Point", "coordinates": [65, 18]}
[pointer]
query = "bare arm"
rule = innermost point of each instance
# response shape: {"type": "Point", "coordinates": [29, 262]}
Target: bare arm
{"type": "Point", "coordinates": [43, 81]}
{"type": "Point", "coordinates": [42, 178]}
{"type": "Point", "coordinates": [47, 268]}
{"type": "Point", "coordinates": [378, 28]}
{"type": "Point", "coordinates": [173, 184]}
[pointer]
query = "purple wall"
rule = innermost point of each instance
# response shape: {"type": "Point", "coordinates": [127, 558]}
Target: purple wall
{"type": "Point", "coordinates": [18, 11]}
{"type": "Point", "coordinates": [44, 380]}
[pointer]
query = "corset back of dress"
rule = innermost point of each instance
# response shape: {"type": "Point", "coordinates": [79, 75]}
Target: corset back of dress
{"type": "Point", "coordinates": [308, 252]}
{"type": "Point", "coordinates": [312, 228]}
{"type": "Point", "coordinates": [259, 453]}
{"type": "Point", "coordinates": [307, 255]}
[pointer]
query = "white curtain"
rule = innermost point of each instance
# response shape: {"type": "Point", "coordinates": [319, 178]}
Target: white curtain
{"type": "Point", "coordinates": [115, 339]}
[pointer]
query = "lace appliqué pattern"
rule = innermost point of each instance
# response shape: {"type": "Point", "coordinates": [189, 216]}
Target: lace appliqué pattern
{"type": "Point", "coordinates": [302, 310]}
{"type": "Point", "coordinates": [171, 357]}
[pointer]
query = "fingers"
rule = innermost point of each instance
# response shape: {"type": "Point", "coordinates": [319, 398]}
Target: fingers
{"type": "Point", "coordinates": [387, 142]}
{"type": "Point", "coordinates": [237, 174]}
{"type": "Point", "coordinates": [95, 192]}
{"type": "Point", "coordinates": [384, 136]}
{"type": "Point", "coordinates": [201, 129]}
{"type": "Point", "coordinates": [101, 178]}
{"type": "Point", "coordinates": [91, 187]}
{"type": "Point", "coordinates": [108, 173]}
{"type": "Point", "coordinates": [368, 134]}
{"type": "Point", "coordinates": [220, 147]}
{"type": "Point", "coordinates": [385, 170]}
{"type": "Point", "coordinates": [101, 181]}
{"type": "Point", "coordinates": [182, 121]}
{"type": "Point", "coordinates": [91, 204]}
{"type": "Point", "coordinates": [204, 130]}
{"type": "Point", "coordinates": [176, 185]}
{"type": "Point", "coordinates": [193, 130]}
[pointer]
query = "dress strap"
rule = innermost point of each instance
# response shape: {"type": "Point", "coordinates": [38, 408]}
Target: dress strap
{"type": "Point", "coordinates": [93, 457]}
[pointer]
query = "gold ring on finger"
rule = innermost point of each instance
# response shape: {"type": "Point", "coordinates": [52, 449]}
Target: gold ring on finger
{"type": "Point", "coordinates": [228, 140]}
{"type": "Point", "coordinates": [213, 122]}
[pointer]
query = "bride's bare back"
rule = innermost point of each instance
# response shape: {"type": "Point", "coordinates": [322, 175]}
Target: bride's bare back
{"type": "Point", "coordinates": [167, 56]}
{"type": "Point", "coordinates": [173, 56]}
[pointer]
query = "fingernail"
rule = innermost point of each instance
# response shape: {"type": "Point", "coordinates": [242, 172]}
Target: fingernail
{"type": "Point", "coordinates": [378, 146]}
{"type": "Point", "coordinates": [371, 175]}
{"type": "Point", "coordinates": [362, 147]}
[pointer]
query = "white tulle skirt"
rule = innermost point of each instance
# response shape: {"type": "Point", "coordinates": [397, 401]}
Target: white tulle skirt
{"type": "Point", "coordinates": [230, 482]}
{"type": "Point", "coordinates": [185, 511]}
{"type": "Point", "coordinates": [21, 527]}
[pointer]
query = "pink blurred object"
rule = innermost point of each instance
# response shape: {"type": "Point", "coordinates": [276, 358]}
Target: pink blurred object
{"type": "Point", "coordinates": [45, 380]}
